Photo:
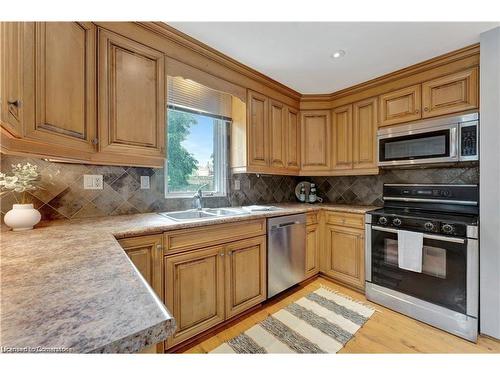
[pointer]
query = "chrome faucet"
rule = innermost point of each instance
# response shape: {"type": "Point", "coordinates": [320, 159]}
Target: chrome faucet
{"type": "Point", "coordinates": [198, 198]}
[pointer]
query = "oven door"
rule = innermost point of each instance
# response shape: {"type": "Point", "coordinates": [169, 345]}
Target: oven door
{"type": "Point", "coordinates": [443, 280]}
{"type": "Point", "coordinates": [412, 147]}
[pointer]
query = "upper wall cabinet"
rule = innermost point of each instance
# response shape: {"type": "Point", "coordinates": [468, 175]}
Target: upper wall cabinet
{"type": "Point", "coordinates": [448, 94]}
{"type": "Point", "coordinates": [400, 106]}
{"type": "Point", "coordinates": [452, 93]}
{"type": "Point", "coordinates": [11, 55]}
{"type": "Point", "coordinates": [257, 125]}
{"type": "Point", "coordinates": [315, 141]}
{"type": "Point", "coordinates": [59, 84]}
{"type": "Point", "coordinates": [342, 137]}
{"type": "Point", "coordinates": [292, 143]}
{"type": "Point", "coordinates": [277, 138]}
{"type": "Point", "coordinates": [365, 126]}
{"type": "Point", "coordinates": [131, 97]}
{"type": "Point", "coordinates": [269, 141]}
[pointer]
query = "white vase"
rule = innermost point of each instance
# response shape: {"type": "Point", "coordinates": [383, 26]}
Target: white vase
{"type": "Point", "coordinates": [22, 217]}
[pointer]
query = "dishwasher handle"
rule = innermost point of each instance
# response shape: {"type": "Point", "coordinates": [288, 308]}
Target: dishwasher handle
{"type": "Point", "coordinates": [288, 224]}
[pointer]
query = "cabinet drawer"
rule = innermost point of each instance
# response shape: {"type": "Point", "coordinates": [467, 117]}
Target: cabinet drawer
{"type": "Point", "coordinates": [345, 219]}
{"type": "Point", "coordinates": [195, 238]}
{"type": "Point", "coordinates": [312, 218]}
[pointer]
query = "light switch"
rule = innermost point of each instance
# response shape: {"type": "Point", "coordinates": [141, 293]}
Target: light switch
{"type": "Point", "coordinates": [237, 185]}
{"type": "Point", "coordinates": [93, 182]}
{"type": "Point", "coordinates": [144, 182]}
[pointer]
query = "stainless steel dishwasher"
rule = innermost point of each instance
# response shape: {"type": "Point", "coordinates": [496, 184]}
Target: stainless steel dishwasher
{"type": "Point", "coordinates": [286, 252]}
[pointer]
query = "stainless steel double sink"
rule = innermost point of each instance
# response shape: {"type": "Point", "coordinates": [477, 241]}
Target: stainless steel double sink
{"type": "Point", "coordinates": [212, 213]}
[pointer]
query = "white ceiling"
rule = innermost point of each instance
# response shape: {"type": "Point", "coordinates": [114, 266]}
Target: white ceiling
{"type": "Point", "coordinates": [297, 54]}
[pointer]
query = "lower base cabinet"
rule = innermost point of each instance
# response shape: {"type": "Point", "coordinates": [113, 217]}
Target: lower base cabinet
{"type": "Point", "coordinates": [194, 291]}
{"type": "Point", "coordinates": [343, 255]}
{"type": "Point", "coordinates": [207, 286]}
{"type": "Point", "coordinates": [312, 249]}
{"type": "Point", "coordinates": [146, 253]}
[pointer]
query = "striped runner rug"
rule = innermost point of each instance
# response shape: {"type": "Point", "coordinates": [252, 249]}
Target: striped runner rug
{"type": "Point", "coordinates": [321, 322]}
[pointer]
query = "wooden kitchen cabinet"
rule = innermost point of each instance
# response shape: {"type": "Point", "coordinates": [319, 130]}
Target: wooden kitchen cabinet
{"type": "Point", "coordinates": [59, 84]}
{"type": "Point", "coordinates": [132, 100]}
{"type": "Point", "coordinates": [343, 252]}
{"type": "Point", "coordinates": [400, 106]}
{"type": "Point", "coordinates": [11, 73]}
{"type": "Point", "coordinates": [146, 252]}
{"type": "Point", "coordinates": [315, 141]}
{"type": "Point", "coordinates": [342, 138]}
{"type": "Point", "coordinates": [313, 242]}
{"type": "Point", "coordinates": [258, 130]}
{"type": "Point", "coordinates": [452, 93]}
{"type": "Point", "coordinates": [292, 136]}
{"type": "Point", "coordinates": [245, 274]}
{"type": "Point", "coordinates": [277, 136]}
{"type": "Point", "coordinates": [194, 291]}
{"type": "Point", "coordinates": [365, 124]}
{"type": "Point", "coordinates": [344, 255]}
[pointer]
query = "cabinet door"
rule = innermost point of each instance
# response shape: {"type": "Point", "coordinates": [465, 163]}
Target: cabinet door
{"type": "Point", "coordinates": [315, 140]}
{"type": "Point", "coordinates": [11, 55]}
{"type": "Point", "coordinates": [400, 106]}
{"type": "Point", "coordinates": [312, 250]}
{"type": "Point", "coordinates": [277, 138]}
{"type": "Point", "coordinates": [365, 125]}
{"type": "Point", "coordinates": [194, 291]}
{"type": "Point", "coordinates": [258, 134]}
{"type": "Point", "coordinates": [146, 252]}
{"type": "Point", "coordinates": [342, 138]}
{"type": "Point", "coordinates": [344, 255]}
{"type": "Point", "coordinates": [292, 132]}
{"type": "Point", "coordinates": [245, 274]}
{"type": "Point", "coordinates": [131, 97]}
{"type": "Point", "coordinates": [59, 84]}
{"type": "Point", "coordinates": [452, 93]}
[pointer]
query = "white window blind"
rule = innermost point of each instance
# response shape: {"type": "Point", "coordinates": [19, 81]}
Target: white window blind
{"type": "Point", "coordinates": [188, 94]}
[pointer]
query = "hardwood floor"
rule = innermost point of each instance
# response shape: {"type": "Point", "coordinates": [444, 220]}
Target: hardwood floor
{"type": "Point", "coordinates": [385, 332]}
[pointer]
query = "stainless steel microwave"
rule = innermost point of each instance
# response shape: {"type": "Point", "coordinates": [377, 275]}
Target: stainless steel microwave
{"type": "Point", "coordinates": [443, 140]}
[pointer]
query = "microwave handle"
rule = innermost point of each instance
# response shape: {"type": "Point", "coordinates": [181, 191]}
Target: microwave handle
{"type": "Point", "coordinates": [428, 236]}
{"type": "Point", "coordinates": [454, 142]}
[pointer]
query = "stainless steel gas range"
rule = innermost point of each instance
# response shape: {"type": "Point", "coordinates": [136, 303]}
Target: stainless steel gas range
{"type": "Point", "coordinates": [443, 291]}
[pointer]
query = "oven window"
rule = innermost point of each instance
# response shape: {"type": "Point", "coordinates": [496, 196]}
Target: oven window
{"type": "Point", "coordinates": [417, 146]}
{"type": "Point", "coordinates": [443, 277]}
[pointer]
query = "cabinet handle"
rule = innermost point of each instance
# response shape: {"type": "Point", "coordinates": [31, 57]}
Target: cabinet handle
{"type": "Point", "coordinates": [16, 103]}
{"type": "Point", "coordinates": [221, 254]}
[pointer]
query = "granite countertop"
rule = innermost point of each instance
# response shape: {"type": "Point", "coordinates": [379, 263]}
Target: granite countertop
{"type": "Point", "coordinates": [69, 284]}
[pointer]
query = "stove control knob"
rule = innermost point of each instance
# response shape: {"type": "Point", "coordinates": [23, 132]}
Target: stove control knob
{"type": "Point", "coordinates": [448, 228]}
{"type": "Point", "coordinates": [429, 226]}
{"type": "Point", "coordinates": [396, 222]}
{"type": "Point", "coordinates": [382, 220]}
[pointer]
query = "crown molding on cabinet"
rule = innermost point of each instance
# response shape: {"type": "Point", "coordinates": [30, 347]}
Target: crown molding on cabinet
{"type": "Point", "coordinates": [438, 66]}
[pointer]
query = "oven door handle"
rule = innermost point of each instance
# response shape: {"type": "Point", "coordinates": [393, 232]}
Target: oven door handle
{"type": "Point", "coordinates": [428, 236]}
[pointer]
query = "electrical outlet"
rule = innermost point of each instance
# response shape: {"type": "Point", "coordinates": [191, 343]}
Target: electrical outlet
{"type": "Point", "coordinates": [237, 185]}
{"type": "Point", "coordinates": [93, 182]}
{"type": "Point", "coordinates": [144, 182]}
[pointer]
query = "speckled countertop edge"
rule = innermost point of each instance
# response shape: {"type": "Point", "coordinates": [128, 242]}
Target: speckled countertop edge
{"type": "Point", "coordinates": [70, 284]}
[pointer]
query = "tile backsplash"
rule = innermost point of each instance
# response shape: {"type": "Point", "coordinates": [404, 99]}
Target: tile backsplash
{"type": "Point", "coordinates": [62, 194]}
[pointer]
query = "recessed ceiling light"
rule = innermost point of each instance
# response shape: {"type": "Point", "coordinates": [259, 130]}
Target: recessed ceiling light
{"type": "Point", "coordinates": [338, 54]}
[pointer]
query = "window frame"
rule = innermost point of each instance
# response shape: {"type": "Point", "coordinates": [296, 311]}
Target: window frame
{"type": "Point", "coordinates": [221, 169]}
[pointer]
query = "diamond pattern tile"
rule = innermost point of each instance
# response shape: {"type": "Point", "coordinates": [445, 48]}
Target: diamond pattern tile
{"type": "Point", "coordinates": [62, 194]}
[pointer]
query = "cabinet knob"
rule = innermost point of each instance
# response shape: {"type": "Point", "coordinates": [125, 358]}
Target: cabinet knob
{"type": "Point", "coordinates": [159, 247]}
{"type": "Point", "coordinates": [221, 254]}
{"type": "Point", "coordinates": [16, 103]}
{"type": "Point", "coordinates": [417, 111]}
{"type": "Point", "coordinates": [426, 109]}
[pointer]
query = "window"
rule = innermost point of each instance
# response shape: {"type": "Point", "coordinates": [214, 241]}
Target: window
{"type": "Point", "coordinates": [197, 139]}
{"type": "Point", "coordinates": [196, 154]}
